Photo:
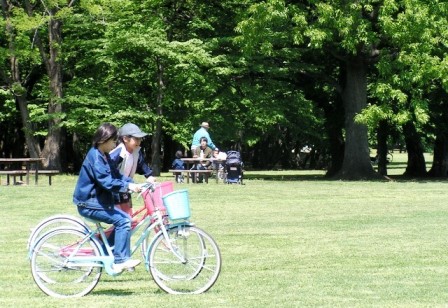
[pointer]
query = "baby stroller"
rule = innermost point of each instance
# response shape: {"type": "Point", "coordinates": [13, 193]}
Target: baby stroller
{"type": "Point", "coordinates": [234, 168]}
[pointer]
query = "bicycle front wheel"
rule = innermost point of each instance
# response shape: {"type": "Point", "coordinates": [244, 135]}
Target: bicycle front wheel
{"type": "Point", "coordinates": [192, 267]}
{"type": "Point", "coordinates": [52, 270]}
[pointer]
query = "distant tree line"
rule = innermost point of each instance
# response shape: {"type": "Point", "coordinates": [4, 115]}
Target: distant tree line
{"type": "Point", "coordinates": [271, 77]}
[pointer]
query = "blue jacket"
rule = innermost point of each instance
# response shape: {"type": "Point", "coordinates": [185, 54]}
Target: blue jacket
{"type": "Point", "coordinates": [99, 182]}
{"type": "Point", "coordinates": [202, 132]}
{"type": "Point", "coordinates": [178, 164]}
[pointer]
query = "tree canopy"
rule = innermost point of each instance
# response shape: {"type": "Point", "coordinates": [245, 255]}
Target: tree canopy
{"type": "Point", "coordinates": [270, 76]}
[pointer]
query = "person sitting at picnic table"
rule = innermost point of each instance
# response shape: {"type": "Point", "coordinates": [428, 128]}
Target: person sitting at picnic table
{"type": "Point", "coordinates": [203, 151]}
{"type": "Point", "coordinates": [202, 132]}
{"type": "Point", "coordinates": [219, 165]}
{"type": "Point", "coordinates": [178, 164]}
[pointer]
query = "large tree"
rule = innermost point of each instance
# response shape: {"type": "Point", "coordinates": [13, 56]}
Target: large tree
{"type": "Point", "coordinates": [346, 33]}
{"type": "Point", "coordinates": [355, 35]}
{"type": "Point", "coordinates": [50, 50]}
{"type": "Point", "coordinates": [409, 89]}
{"type": "Point", "coordinates": [169, 65]}
{"type": "Point", "coordinates": [40, 22]}
{"type": "Point", "coordinates": [19, 77]}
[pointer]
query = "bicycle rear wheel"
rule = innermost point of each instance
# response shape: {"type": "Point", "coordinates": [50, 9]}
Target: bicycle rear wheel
{"type": "Point", "coordinates": [51, 223]}
{"type": "Point", "coordinates": [51, 269]}
{"type": "Point", "coordinates": [197, 273]}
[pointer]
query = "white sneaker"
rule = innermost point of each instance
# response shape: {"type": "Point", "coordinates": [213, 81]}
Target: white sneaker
{"type": "Point", "coordinates": [125, 265]}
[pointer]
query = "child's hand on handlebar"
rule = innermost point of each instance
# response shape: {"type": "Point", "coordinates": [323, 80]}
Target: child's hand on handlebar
{"type": "Point", "coordinates": [134, 187]}
{"type": "Point", "coordinates": [151, 179]}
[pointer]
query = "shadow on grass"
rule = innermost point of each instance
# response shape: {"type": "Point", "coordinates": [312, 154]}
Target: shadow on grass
{"type": "Point", "coordinates": [422, 180]}
{"type": "Point", "coordinates": [309, 176]}
{"type": "Point", "coordinates": [115, 292]}
{"type": "Point", "coordinates": [259, 175]}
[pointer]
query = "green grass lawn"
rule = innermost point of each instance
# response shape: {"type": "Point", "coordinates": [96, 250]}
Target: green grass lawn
{"type": "Point", "coordinates": [287, 239]}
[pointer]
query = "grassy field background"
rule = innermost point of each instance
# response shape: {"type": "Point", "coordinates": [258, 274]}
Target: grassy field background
{"type": "Point", "coordinates": [287, 238]}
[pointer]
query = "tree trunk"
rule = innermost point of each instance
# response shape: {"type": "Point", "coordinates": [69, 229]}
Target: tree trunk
{"type": "Point", "coordinates": [156, 162]}
{"type": "Point", "coordinates": [155, 148]}
{"type": "Point", "coordinates": [334, 123]}
{"type": "Point", "coordinates": [31, 142]}
{"type": "Point", "coordinates": [19, 91]}
{"type": "Point", "coordinates": [77, 155]}
{"type": "Point", "coordinates": [382, 134]}
{"type": "Point", "coordinates": [416, 161]}
{"type": "Point", "coordinates": [439, 166]}
{"type": "Point", "coordinates": [54, 141]}
{"type": "Point", "coordinates": [169, 149]}
{"type": "Point", "coordinates": [356, 164]}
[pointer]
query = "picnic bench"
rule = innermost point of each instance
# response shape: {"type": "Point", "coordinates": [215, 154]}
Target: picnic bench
{"type": "Point", "coordinates": [191, 161]}
{"type": "Point", "coordinates": [14, 174]}
{"type": "Point", "coordinates": [193, 172]}
{"type": "Point", "coordinates": [31, 167]}
{"type": "Point", "coordinates": [49, 173]}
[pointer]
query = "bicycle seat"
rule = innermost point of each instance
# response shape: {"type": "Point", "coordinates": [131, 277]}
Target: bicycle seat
{"type": "Point", "coordinates": [92, 220]}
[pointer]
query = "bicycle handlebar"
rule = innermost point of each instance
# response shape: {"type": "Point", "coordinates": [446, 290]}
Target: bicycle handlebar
{"type": "Point", "coordinates": [145, 187]}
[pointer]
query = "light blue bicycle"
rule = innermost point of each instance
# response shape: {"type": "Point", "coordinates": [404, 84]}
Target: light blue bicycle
{"type": "Point", "coordinates": [67, 261]}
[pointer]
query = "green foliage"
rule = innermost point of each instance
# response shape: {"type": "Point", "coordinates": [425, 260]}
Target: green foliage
{"type": "Point", "coordinates": [344, 25]}
{"type": "Point", "coordinates": [255, 70]}
{"type": "Point", "coordinates": [8, 108]}
{"type": "Point", "coordinates": [269, 24]}
{"type": "Point", "coordinates": [25, 23]}
{"type": "Point", "coordinates": [191, 74]}
{"type": "Point", "coordinates": [411, 64]}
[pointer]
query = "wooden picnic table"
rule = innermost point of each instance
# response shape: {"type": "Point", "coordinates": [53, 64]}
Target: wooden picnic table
{"type": "Point", "coordinates": [28, 162]}
{"type": "Point", "coordinates": [190, 161]}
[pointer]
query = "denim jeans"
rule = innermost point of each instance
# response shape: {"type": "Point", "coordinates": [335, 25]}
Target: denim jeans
{"type": "Point", "coordinates": [200, 167]}
{"type": "Point", "coordinates": [122, 223]}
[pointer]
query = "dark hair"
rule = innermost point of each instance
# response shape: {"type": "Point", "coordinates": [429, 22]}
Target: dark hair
{"type": "Point", "coordinates": [103, 133]}
{"type": "Point", "coordinates": [203, 138]}
{"type": "Point", "coordinates": [179, 154]}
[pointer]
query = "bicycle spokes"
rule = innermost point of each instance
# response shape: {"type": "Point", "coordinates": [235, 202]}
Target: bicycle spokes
{"type": "Point", "coordinates": [52, 268]}
{"type": "Point", "coordinates": [197, 269]}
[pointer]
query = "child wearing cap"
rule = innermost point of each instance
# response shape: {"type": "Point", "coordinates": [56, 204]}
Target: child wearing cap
{"type": "Point", "coordinates": [98, 182]}
{"type": "Point", "coordinates": [130, 160]}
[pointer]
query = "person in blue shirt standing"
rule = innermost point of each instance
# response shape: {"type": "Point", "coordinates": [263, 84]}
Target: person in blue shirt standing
{"type": "Point", "coordinates": [98, 185]}
{"type": "Point", "coordinates": [202, 132]}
